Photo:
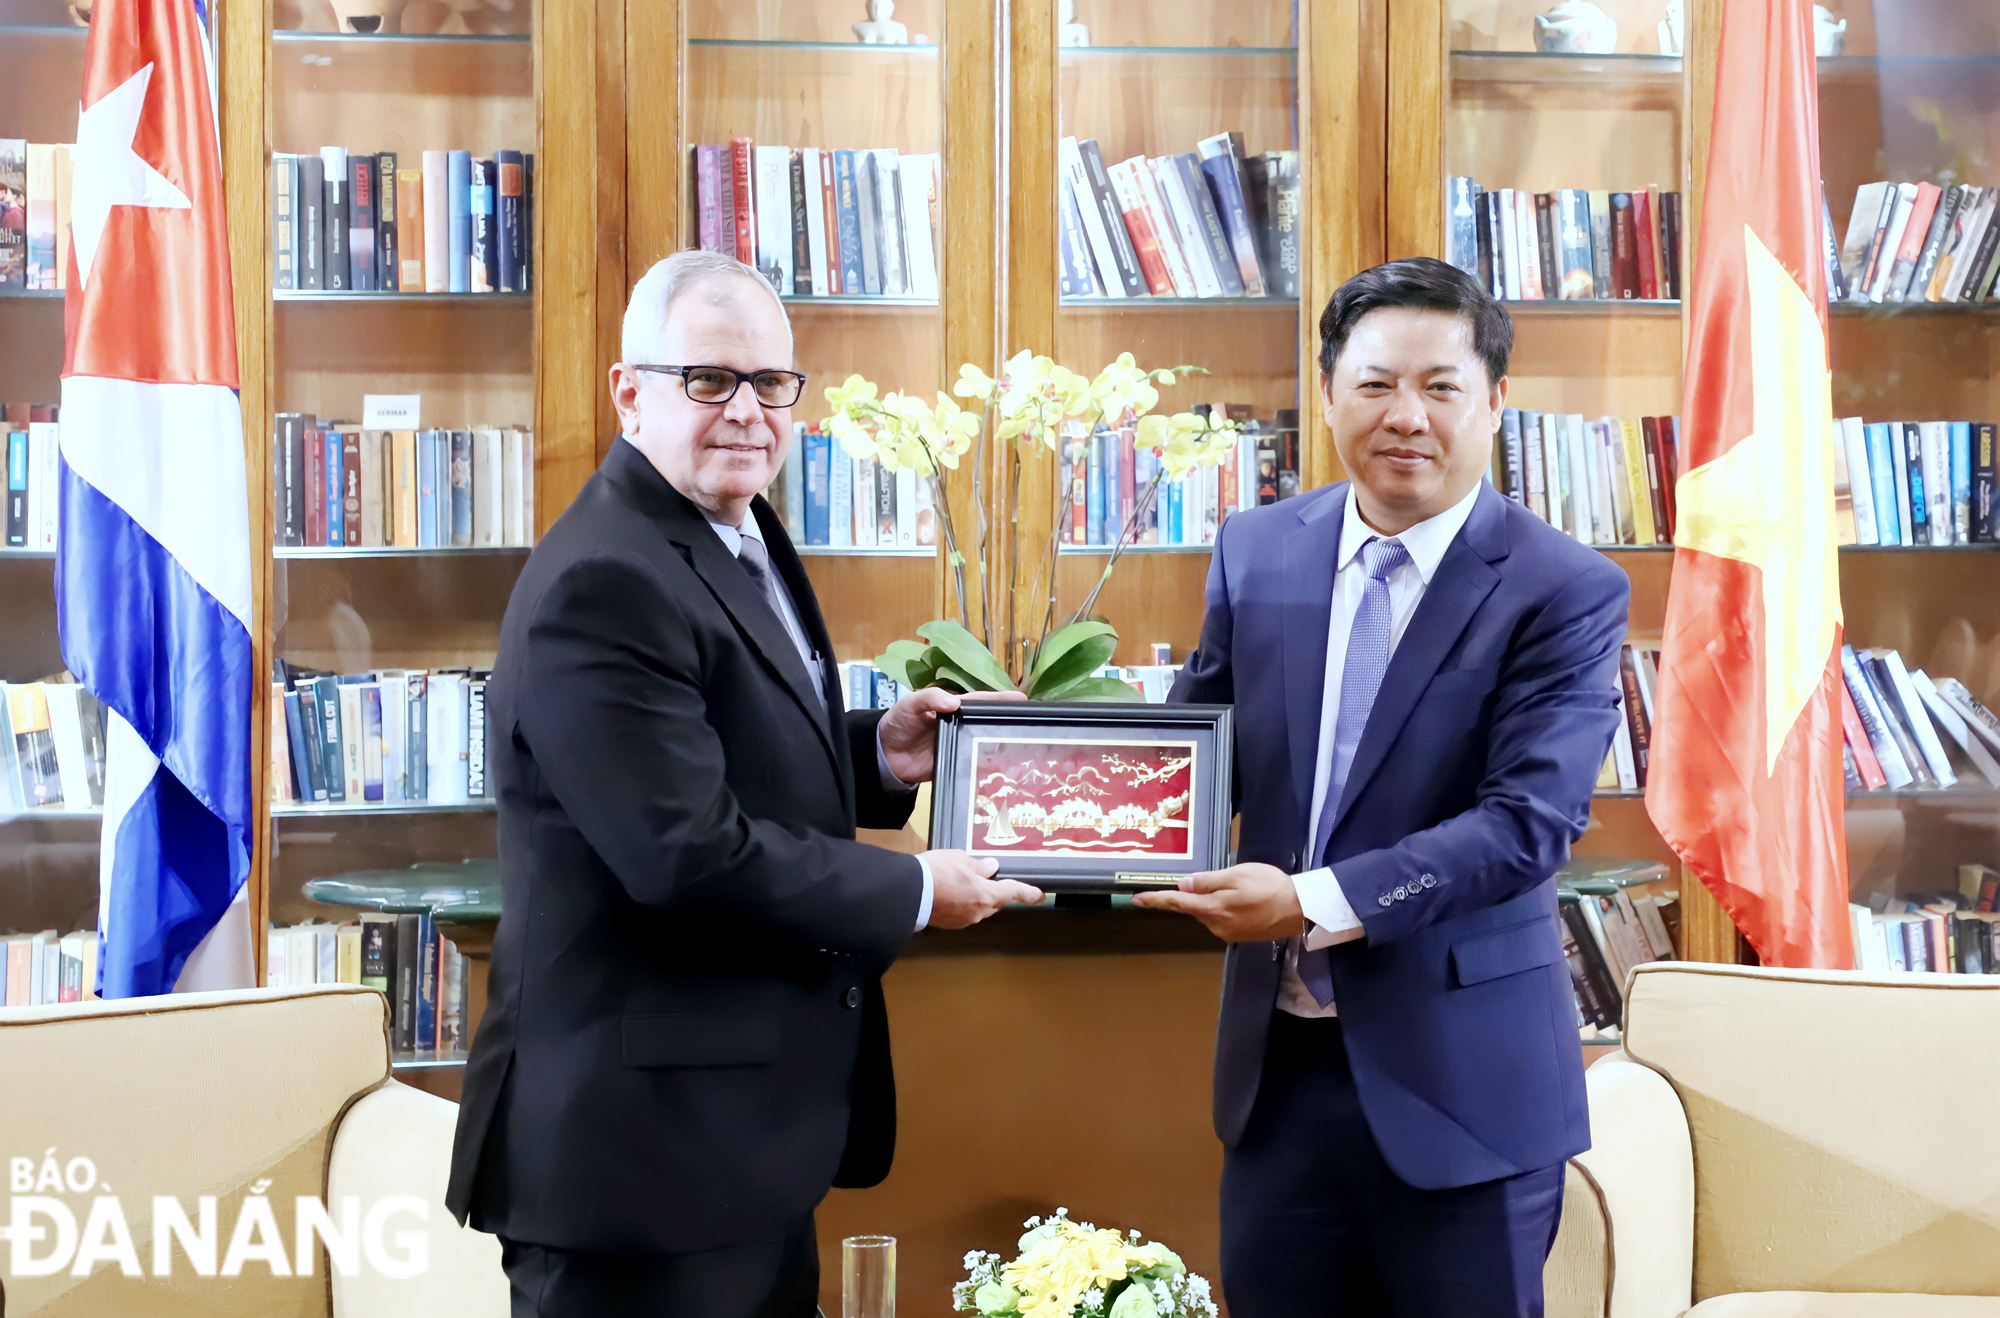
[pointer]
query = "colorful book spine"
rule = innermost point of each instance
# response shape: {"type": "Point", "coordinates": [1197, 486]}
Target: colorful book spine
{"type": "Point", "coordinates": [458, 212]}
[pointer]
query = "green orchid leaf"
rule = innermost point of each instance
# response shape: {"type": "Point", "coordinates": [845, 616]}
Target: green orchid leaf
{"type": "Point", "coordinates": [1077, 661]}
{"type": "Point", "coordinates": [1060, 644]}
{"type": "Point", "coordinates": [951, 679]}
{"type": "Point", "coordinates": [967, 654]}
{"type": "Point", "coordinates": [1096, 688]}
{"type": "Point", "coordinates": [924, 670]}
{"type": "Point", "coordinates": [896, 661]}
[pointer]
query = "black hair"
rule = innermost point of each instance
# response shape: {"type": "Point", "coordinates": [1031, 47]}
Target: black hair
{"type": "Point", "coordinates": [1428, 284]}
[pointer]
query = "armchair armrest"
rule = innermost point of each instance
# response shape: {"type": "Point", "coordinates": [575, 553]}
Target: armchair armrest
{"type": "Point", "coordinates": [397, 1141]}
{"type": "Point", "coordinates": [1640, 1167]}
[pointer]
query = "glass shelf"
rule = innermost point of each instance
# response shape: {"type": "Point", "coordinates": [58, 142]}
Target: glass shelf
{"type": "Point", "coordinates": [32, 294]}
{"type": "Point", "coordinates": [1885, 310]}
{"type": "Point", "coordinates": [841, 551]}
{"type": "Point", "coordinates": [1127, 303]}
{"type": "Point", "coordinates": [852, 303]}
{"type": "Point", "coordinates": [1136, 549]}
{"type": "Point", "coordinates": [1531, 66]}
{"type": "Point", "coordinates": [1085, 52]}
{"type": "Point", "coordinates": [1595, 306]}
{"type": "Point", "coordinates": [294, 810]}
{"type": "Point", "coordinates": [399, 1061]}
{"type": "Point", "coordinates": [292, 36]}
{"type": "Point", "coordinates": [43, 31]}
{"type": "Point", "coordinates": [517, 300]}
{"type": "Point", "coordinates": [49, 816]}
{"type": "Point", "coordinates": [456, 551]}
{"type": "Point", "coordinates": [723, 43]}
{"type": "Point", "coordinates": [1964, 792]}
{"type": "Point", "coordinates": [44, 554]}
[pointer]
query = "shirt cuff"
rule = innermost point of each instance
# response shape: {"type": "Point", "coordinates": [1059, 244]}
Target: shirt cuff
{"type": "Point", "coordinates": [1330, 920]}
{"type": "Point", "coordinates": [924, 906]}
{"type": "Point", "coordinates": [896, 787]}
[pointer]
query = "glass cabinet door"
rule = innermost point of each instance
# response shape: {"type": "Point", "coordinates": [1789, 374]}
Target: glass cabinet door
{"type": "Point", "coordinates": [52, 752]}
{"type": "Point", "coordinates": [814, 139]}
{"type": "Point", "coordinates": [403, 464]}
{"type": "Point", "coordinates": [1907, 124]}
{"type": "Point", "coordinates": [1181, 236]}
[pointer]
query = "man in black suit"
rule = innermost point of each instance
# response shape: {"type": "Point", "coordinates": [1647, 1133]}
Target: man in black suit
{"type": "Point", "coordinates": [686, 1043]}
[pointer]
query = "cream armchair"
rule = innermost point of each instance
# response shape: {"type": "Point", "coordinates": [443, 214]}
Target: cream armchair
{"type": "Point", "coordinates": [1789, 1144]}
{"type": "Point", "coordinates": [263, 1094]}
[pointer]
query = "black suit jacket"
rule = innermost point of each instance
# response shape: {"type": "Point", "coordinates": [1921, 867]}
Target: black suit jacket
{"type": "Point", "coordinates": [685, 1043]}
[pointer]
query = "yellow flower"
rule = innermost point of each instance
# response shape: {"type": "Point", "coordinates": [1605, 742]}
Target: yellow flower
{"type": "Point", "coordinates": [975, 383]}
{"type": "Point", "coordinates": [855, 390]}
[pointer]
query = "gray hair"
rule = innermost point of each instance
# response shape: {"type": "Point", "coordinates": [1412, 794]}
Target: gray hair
{"type": "Point", "coordinates": [669, 280]}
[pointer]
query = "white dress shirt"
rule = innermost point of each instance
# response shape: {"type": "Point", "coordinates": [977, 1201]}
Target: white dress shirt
{"type": "Point", "coordinates": [1330, 919]}
{"type": "Point", "coordinates": [732, 540]}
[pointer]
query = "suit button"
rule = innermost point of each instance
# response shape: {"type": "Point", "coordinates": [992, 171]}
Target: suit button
{"type": "Point", "coordinates": [1428, 881]}
{"type": "Point", "coordinates": [1291, 860]}
{"type": "Point", "coordinates": [1401, 892]}
{"type": "Point", "coordinates": [1386, 900]}
{"type": "Point", "coordinates": [854, 997]}
{"type": "Point", "coordinates": [1277, 950]}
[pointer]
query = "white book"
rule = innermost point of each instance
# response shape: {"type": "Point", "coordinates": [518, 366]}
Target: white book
{"type": "Point", "coordinates": [906, 508]}
{"type": "Point", "coordinates": [1133, 179]}
{"type": "Point", "coordinates": [1978, 718]}
{"type": "Point", "coordinates": [1926, 735]}
{"type": "Point", "coordinates": [527, 485]}
{"type": "Point", "coordinates": [927, 515]}
{"type": "Point", "coordinates": [72, 950]}
{"type": "Point", "coordinates": [1101, 250]}
{"type": "Point", "coordinates": [840, 499]}
{"type": "Point", "coordinates": [1936, 439]}
{"type": "Point", "coordinates": [486, 481]}
{"type": "Point", "coordinates": [866, 516]}
{"type": "Point", "coordinates": [816, 221]}
{"type": "Point", "coordinates": [1962, 272]}
{"type": "Point", "coordinates": [1954, 724]}
{"type": "Point", "coordinates": [1899, 467]}
{"type": "Point", "coordinates": [445, 740]}
{"type": "Point", "coordinates": [302, 954]}
{"type": "Point", "coordinates": [44, 498]}
{"type": "Point", "coordinates": [1860, 483]}
{"type": "Point", "coordinates": [394, 682]}
{"type": "Point", "coordinates": [1528, 245]}
{"type": "Point", "coordinates": [39, 988]}
{"type": "Point", "coordinates": [437, 222]}
{"type": "Point", "coordinates": [1509, 254]}
{"type": "Point", "coordinates": [1552, 484]}
{"type": "Point", "coordinates": [918, 175]}
{"type": "Point", "coordinates": [275, 971]}
{"type": "Point", "coordinates": [1583, 506]}
{"type": "Point", "coordinates": [889, 219]}
{"type": "Point", "coordinates": [1861, 234]}
{"type": "Point", "coordinates": [1612, 488]}
{"type": "Point", "coordinates": [351, 738]}
{"type": "Point", "coordinates": [72, 757]}
{"type": "Point", "coordinates": [1187, 228]}
{"type": "Point", "coordinates": [1621, 749]}
{"type": "Point", "coordinates": [326, 944]}
{"type": "Point", "coordinates": [773, 191]}
{"type": "Point", "coordinates": [1892, 241]}
{"type": "Point", "coordinates": [512, 514]}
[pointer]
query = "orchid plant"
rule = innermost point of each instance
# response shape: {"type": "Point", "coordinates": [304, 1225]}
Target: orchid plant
{"type": "Point", "coordinates": [1034, 402]}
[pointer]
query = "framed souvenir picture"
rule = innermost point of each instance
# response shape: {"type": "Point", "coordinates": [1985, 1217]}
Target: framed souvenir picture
{"type": "Point", "coordinates": [1077, 797]}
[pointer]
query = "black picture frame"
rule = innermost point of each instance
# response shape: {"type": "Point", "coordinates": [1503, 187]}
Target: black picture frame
{"type": "Point", "coordinates": [997, 733]}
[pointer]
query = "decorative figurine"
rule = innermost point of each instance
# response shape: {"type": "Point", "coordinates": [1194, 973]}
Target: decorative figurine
{"type": "Point", "coordinates": [881, 29]}
{"type": "Point", "coordinates": [1672, 29]}
{"type": "Point", "coordinates": [1575, 27]}
{"type": "Point", "coordinates": [79, 12]}
{"type": "Point", "coordinates": [366, 17]}
{"type": "Point", "coordinates": [1071, 33]}
{"type": "Point", "coordinates": [1829, 33]}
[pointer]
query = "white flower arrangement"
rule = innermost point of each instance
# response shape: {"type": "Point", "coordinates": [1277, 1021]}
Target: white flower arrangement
{"type": "Point", "coordinates": [1069, 1269]}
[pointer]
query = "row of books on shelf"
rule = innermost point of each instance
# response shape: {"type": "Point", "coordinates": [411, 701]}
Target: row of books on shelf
{"type": "Point", "coordinates": [868, 687]}
{"type": "Point", "coordinates": [829, 498]}
{"type": "Point", "coordinates": [1898, 725]}
{"type": "Point", "coordinates": [1950, 933]}
{"type": "Point", "coordinates": [1916, 242]}
{"type": "Point", "coordinates": [1212, 222]}
{"type": "Point", "coordinates": [33, 505]}
{"type": "Point", "coordinates": [822, 223]}
{"type": "Point", "coordinates": [48, 967]}
{"type": "Point", "coordinates": [401, 954]}
{"type": "Point", "coordinates": [1109, 480]}
{"type": "Point", "coordinates": [1914, 482]}
{"type": "Point", "coordinates": [51, 747]}
{"type": "Point", "coordinates": [34, 214]}
{"type": "Point", "coordinates": [1567, 244]}
{"type": "Point", "coordinates": [386, 737]}
{"type": "Point", "coordinates": [338, 485]}
{"type": "Point", "coordinates": [1607, 930]}
{"type": "Point", "coordinates": [355, 221]}
{"type": "Point", "coordinates": [1606, 482]}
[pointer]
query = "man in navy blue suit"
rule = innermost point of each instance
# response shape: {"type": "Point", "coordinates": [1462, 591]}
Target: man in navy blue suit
{"type": "Point", "coordinates": [1423, 677]}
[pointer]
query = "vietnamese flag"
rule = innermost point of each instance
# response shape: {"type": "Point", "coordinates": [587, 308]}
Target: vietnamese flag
{"type": "Point", "coordinates": [1746, 782]}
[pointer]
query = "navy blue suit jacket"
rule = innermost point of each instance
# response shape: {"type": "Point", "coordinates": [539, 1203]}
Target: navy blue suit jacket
{"type": "Point", "coordinates": [1472, 779]}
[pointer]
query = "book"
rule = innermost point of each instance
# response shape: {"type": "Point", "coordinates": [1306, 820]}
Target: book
{"type": "Point", "coordinates": [1573, 213]}
{"type": "Point", "coordinates": [772, 188]}
{"type": "Point", "coordinates": [457, 479]}
{"type": "Point", "coordinates": [889, 222]}
{"type": "Point", "coordinates": [13, 212]}
{"type": "Point", "coordinates": [1937, 240]}
{"type": "Point", "coordinates": [437, 248]}
{"type": "Point", "coordinates": [361, 222]}
{"type": "Point", "coordinates": [1139, 227]}
{"type": "Point", "coordinates": [868, 222]}
{"type": "Point", "coordinates": [740, 191]}
{"type": "Point", "coordinates": [1118, 253]}
{"type": "Point", "coordinates": [482, 256]}
{"type": "Point", "coordinates": [284, 221]}
{"type": "Point", "coordinates": [1528, 250]}
{"type": "Point", "coordinates": [848, 222]}
{"type": "Point", "coordinates": [337, 271]}
{"type": "Point", "coordinates": [1624, 247]}
{"type": "Point", "coordinates": [1913, 233]}
{"type": "Point", "coordinates": [1279, 252]}
{"type": "Point", "coordinates": [1882, 269]}
{"type": "Point", "coordinates": [1221, 166]}
{"type": "Point", "coordinates": [1462, 223]}
{"type": "Point", "coordinates": [388, 226]}
{"type": "Point", "coordinates": [458, 214]}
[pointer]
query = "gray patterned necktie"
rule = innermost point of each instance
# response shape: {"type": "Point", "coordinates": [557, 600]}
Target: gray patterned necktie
{"type": "Point", "coordinates": [1360, 678]}
{"type": "Point", "coordinates": [756, 561]}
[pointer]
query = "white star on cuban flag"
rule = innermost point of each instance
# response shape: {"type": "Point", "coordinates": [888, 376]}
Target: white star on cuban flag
{"type": "Point", "coordinates": [153, 588]}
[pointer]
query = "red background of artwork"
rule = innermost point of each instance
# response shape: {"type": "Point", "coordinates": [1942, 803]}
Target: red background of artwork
{"type": "Point", "coordinates": [1084, 774]}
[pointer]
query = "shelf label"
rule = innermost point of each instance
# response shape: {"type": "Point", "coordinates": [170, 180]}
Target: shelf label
{"type": "Point", "coordinates": [391, 411]}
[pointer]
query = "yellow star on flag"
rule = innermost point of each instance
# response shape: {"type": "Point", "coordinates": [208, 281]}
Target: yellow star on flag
{"type": "Point", "coordinates": [1768, 501]}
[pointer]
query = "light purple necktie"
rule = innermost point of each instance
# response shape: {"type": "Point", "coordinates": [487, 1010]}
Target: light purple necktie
{"type": "Point", "coordinates": [1360, 679]}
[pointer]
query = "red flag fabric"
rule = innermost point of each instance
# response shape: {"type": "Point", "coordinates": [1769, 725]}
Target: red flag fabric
{"type": "Point", "coordinates": [1746, 782]}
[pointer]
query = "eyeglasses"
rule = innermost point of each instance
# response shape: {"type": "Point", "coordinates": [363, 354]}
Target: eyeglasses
{"type": "Point", "coordinates": [718, 384]}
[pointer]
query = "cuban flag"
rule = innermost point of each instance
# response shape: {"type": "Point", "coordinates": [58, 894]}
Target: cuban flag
{"type": "Point", "coordinates": [153, 583]}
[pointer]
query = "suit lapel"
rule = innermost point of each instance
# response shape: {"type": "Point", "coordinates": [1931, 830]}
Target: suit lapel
{"type": "Point", "coordinates": [1310, 549]}
{"type": "Point", "coordinates": [1463, 580]}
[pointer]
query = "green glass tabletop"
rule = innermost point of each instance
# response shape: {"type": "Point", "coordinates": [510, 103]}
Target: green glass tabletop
{"type": "Point", "coordinates": [463, 887]}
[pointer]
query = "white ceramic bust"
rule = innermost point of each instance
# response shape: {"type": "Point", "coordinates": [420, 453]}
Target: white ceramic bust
{"type": "Point", "coordinates": [1829, 33]}
{"type": "Point", "coordinates": [366, 16]}
{"type": "Point", "coordinates": [1071, 33]}
{"type": "Point", "coordinates": [1575, 27]}
{"type": "Point", "coordinates": [1672, 29]}
{"type": "Point", "coordinates": [881, 28]}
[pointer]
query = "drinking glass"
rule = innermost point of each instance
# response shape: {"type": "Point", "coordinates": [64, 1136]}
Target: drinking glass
{"type": "Point", "coordinates": [868, 1277]}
